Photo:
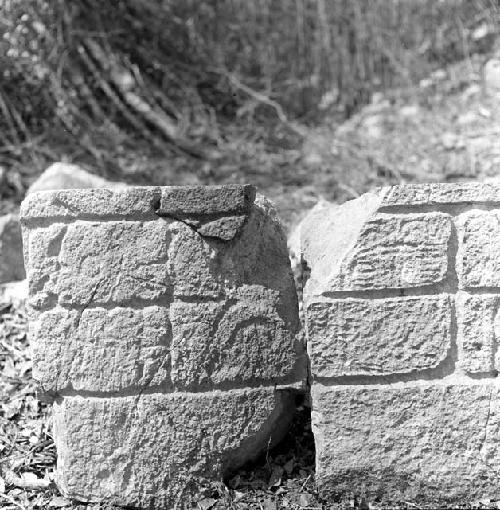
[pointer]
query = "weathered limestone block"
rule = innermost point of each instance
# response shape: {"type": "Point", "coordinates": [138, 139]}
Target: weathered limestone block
{"type": "Point", "coordinates": [431, 444]}
{"type": "Point", "coordinates": [402, 335]}
{"type": "Point", "coordinates": [402, 329]}
{"type": "Point", "coordinates": [85, 204]}
{"type": "Point", "coordinates": [164, 325]}
{"type": "Point", "coordinates": [11, 249]}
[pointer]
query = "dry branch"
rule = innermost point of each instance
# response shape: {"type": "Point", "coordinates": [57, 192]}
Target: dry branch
{"type": "Point", "coordinates": [263, 99]}
{"type": "Point", "coordinates": [125, 83]}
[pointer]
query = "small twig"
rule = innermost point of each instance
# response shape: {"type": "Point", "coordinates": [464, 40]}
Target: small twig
{"type": "Point", "coordinates": [262, 98]}
{"type": "Point", "coordinates": [305, 483]}
{"type": "Point", "coordinates": [348, 189]}
{"type": "Point", "coordinates": [268, 449]}
{"type": "Point", "coordinates": [114, 98]}
{"type": "Point", "coordinates": [13, 479]}
{"type": "Point", "coordinates": [157, 118]}
{"type": "Point", "coordinates": [12, 501]}
{"type": "Point", "coordinates": [9, 120]}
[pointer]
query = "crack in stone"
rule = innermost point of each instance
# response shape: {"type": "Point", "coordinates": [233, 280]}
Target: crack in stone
{"type": "Point", "coordinates": [483, 441]}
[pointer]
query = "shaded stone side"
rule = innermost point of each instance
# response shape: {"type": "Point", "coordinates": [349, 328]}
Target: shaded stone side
{"type": "Point", "coordinates": [206, 200]}
{"type": "Point", "coordinates": [11, 251]}
{"type": "Point", "coordinates": [421, 444]}
{"type": "Point", "coordinates": [148, 451]}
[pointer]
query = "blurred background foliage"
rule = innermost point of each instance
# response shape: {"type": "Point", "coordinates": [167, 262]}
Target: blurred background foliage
{"type": "Point", "coordinates": [201, 83]}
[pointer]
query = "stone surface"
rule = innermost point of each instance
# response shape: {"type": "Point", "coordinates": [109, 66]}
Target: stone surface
{"type": "Point", "coordinates": [113, 262]}
{"type": "Point", "coordinates": [200, 214]}
{"type": "Point", "coordinates": [392, 252]}
{"type": "Point", "coordinates": [216, 211]}
{"type": "Point", "coordinates": [396, 252]}
{"type": "Point", "coordinates": [97, 349]}
{"type": "Point", "coordinates": [238, 342]}
{"type": "Point", "coordinates": [429, 444]}
{"type": "Point", "coordinates": [164, 325]}
{"type": "Point", "coordinates": [148, 451]}
{"type": "Point", "coordinates": [11, 249]}
{"type": "Point", "coordinates": [67, 176]}
{"type": "Point", "coordinates": [402, 326]}
{"type": "Point", "coordinates": [478, 258]}
{"type": "Point", "coordinates": [440, 194]}
{"type": "Point", "coordinates": [478, 332]}
{"type": "Point", "coordinates": [354, 249]}
{"type": "Point", "coordinates": [68, 205]}
{"type": "Point", "coordinates": [206, 200]}
{"type": "Point", "coordinates": [402, 335]}
{"type": "Point", "coordinates": [312, 218]}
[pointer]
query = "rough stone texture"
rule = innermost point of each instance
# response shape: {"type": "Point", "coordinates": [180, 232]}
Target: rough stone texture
{"type": "Point", "coordinates": [136, 203]}
{"type": "Point", "coordinates": [438, 194]}
{"type": "Point", "coordinates": [67, 176]}
{"type": "Point", "coordinates": [402, 335]}
{"type": "Point", "coordinates": [236, 342]}
{"type": "Point", "coordinates": [113, 262]}
{"type": "Point", "coordinates": [164, 324]}
{"type": "Point", "coordinates": [434, 444]}
{"type": "Point", "coordinates": [204, 200]}
{"type": "Point", "coordinates": [354, 248]}
{"type": "Point", "coordinates": [98, 349]}
{"type": "Point", "coordinates": [311, 219]}
{"type": "Point", "coordinates": [402, 320]}
{"type": "Point", "coordinates": [11, 250]}
{"type": "Point", "coordinates": [478, 332]}
{"type": "Point", "coordinates": [396, 252]}
{"type": "Point", "coordinates": [147, 452]}
{"type": "Point", "coordinates": [217, 211]}
{"type": "Point", "coordinates": [478, 258]}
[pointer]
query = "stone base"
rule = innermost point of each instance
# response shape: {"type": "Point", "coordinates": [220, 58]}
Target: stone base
{"type": "Point", "coordinates": [427, 443]}
{"type": "Point", "coordinates": [151, 451]}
